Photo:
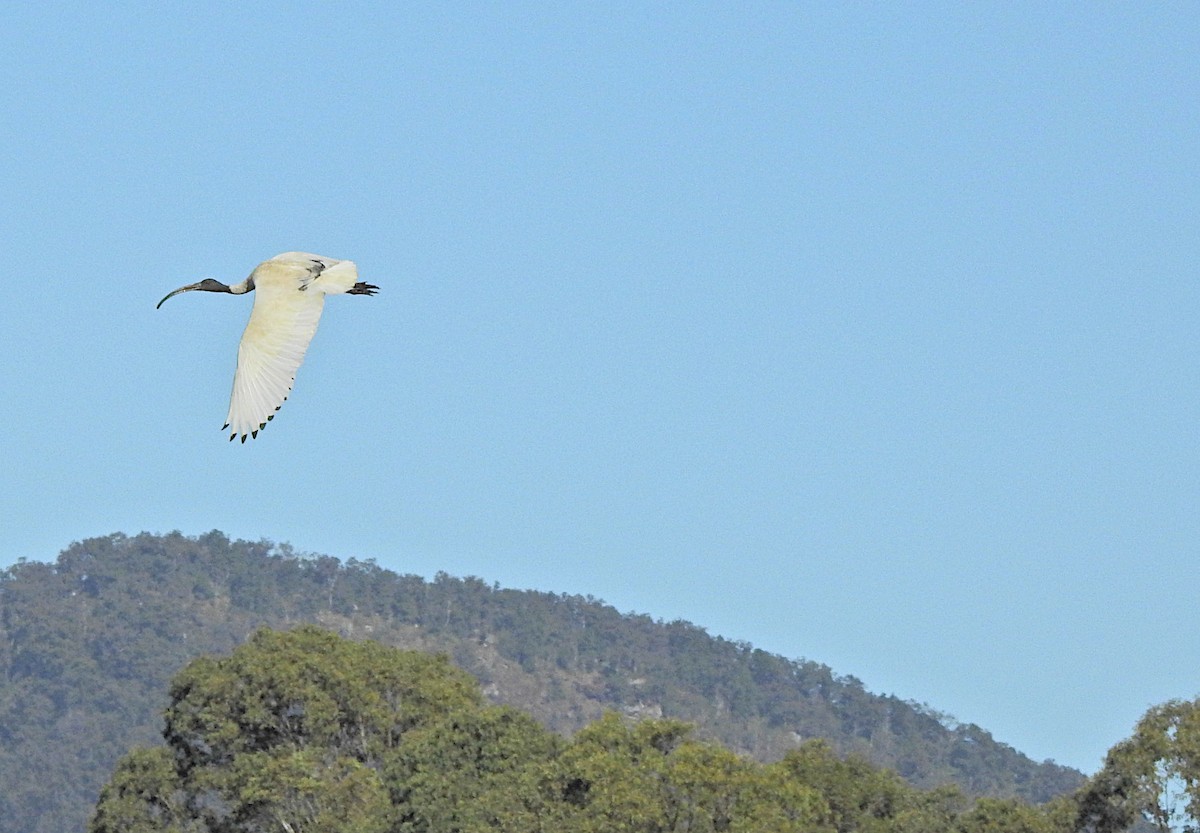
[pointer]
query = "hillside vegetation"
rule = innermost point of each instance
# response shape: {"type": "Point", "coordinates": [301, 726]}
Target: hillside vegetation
{"type": "Point", "coordinates": [90, 643]}
{"type": "Point", "coordinates": [305, 731]}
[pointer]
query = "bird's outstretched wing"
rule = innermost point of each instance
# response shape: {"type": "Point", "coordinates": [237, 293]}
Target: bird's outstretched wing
{"type": "Point", "coordinates": [281, 325]}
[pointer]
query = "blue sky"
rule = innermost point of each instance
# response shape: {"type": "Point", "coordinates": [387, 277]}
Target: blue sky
{"type": "Point", "coordinates": [861, 332]}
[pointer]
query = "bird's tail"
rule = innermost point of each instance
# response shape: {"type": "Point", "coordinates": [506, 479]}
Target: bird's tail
{"type": "Point", "coordinates": [338, 278]}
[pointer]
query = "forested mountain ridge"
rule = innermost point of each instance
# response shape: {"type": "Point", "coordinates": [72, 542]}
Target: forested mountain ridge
{"type": "Point", "coordinates": [87, 645]}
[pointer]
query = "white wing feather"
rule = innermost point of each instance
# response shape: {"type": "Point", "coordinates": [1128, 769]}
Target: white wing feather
{"type": "Point", "coordinates": [289, 294]}
{"type": "Point", "coordinates": [281, 326]}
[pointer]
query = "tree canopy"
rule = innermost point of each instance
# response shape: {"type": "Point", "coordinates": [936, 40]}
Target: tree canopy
{"type": "Point", "coordinates": [1152, 777]}
{"type": "Point", "coordinates": [306, 731]}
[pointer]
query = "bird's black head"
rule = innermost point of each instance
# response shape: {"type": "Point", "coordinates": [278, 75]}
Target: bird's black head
{"type": "Point", "coordinates": [206, 285]}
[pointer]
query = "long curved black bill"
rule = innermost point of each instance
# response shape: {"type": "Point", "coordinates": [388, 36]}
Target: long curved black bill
{"type": "Point", "coordinates": [187, 288]}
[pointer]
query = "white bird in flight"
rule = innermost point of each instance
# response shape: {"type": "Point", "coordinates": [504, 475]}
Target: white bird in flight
{"type": "Point", "coordinates": [289, 292]}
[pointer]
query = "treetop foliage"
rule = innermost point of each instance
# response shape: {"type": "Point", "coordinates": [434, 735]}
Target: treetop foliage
{"type": "Point", "coordinates": [305, 731]}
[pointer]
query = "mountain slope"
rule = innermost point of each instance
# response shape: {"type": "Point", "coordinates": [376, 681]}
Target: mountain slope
{"type": "Point", "coordinates": [88, 644]}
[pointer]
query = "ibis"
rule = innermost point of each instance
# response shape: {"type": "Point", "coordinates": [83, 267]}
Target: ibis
{"type": "Point", "coordinates": [289, 293]}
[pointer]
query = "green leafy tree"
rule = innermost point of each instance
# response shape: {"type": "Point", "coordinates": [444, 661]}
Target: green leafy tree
{"type": "Point", "coordinates": [651, 777]}
{"type": "Point", "coordinates": [1153, 775]}
{"type": "Point", "coordinates": [477, 770]}
{"type": "Point", "coordinates": [308, 687]}
{"type": "Point", "coordinates": [860, 797]}
{"type": "Point", "coordinates": [610, 774]}
{"type": "Point", "coordinates": [289, 733]}
{"type": "Point", "coordinates": [297, 790]}
{"type": "Point", "coordinates": [143, 796]}
{"type": "Point", "coordinates": [931, 811]}
{"type": "Point", "coordinates": [998, 815]}
{"type": "Point", "coordinates": [773, 800]}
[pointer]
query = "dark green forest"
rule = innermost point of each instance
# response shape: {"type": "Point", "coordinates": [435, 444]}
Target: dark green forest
{"type": "Point", "coordinates": [92, 641]}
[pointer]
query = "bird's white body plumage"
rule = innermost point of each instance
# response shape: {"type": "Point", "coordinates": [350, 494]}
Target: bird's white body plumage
{"type": "Point", "coordinates": [289, 294]}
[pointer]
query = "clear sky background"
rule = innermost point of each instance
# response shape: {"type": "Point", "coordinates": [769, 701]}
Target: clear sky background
{"type": "Point", "coordinates": [865, 333]}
